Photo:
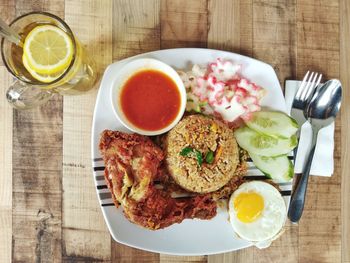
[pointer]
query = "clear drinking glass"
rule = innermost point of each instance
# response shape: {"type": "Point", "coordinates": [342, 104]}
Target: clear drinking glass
{"type": "Point", "coordinates": [28, 92]}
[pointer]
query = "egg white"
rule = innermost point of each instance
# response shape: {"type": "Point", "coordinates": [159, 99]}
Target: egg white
{"type": "Point", "coordinates": [270, 222]}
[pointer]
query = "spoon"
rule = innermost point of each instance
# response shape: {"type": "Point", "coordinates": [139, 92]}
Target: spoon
{"type": "Point", "coordinates": [321, 112]}
{"type": "Point", "coordinates": [8, 33]}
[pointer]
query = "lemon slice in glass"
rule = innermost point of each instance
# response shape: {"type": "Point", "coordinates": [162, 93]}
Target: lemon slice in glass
{"type": "Point", "coordinates": [47, 51]}
{"type": "Point", "coordinates": [46, 78]}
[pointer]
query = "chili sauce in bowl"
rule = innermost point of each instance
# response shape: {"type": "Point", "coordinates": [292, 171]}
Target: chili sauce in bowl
{"type": "Point", "coordinates": [149, 97]}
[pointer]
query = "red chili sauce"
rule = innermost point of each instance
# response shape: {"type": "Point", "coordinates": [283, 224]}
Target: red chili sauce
{"type": "Point", "coordinates": [150, 100]}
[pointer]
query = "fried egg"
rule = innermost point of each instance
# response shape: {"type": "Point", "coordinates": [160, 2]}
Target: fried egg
{"type": "Point", "coordinates": [257, 212]}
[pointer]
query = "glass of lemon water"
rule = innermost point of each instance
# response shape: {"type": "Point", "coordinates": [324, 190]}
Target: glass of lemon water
{"type": "Point", "coordinates": [49, 60]}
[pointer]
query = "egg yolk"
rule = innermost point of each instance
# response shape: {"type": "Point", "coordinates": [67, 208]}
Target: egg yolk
{"type": "Point", "coordinates": [249, 206]}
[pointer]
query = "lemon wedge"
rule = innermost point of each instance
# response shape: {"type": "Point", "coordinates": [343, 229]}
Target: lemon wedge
{"type": "Point", "coordinates": [47, 52]}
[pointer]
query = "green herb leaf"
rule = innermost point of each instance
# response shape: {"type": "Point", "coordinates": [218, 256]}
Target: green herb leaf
{"type": "Point", "coordinates": [209, 157]}
{"type": "Point", "coordinates": [186, 151]}
{"type": "Point", "coordinates": [199, 157]}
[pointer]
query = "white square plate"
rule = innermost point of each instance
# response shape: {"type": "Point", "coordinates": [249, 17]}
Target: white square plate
{"type": "Point", "coordinates": [192, 236]}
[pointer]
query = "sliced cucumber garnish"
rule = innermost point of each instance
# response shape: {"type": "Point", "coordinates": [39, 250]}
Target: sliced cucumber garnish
{"type": "Point", "coordinates": [279, 168]}
{"type": "Point", "coordinates": [273, 123]}
{"type": "Point", "coordinates": [261, 144]}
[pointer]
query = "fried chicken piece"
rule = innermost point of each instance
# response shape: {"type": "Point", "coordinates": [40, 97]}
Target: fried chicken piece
{"type": "Point", "coordinates": [160, 210]}
{"type": "Point", "coordinates": [133, 163]}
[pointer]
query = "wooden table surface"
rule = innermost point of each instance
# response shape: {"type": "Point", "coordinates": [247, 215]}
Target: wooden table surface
{"type": "Point", "coordinates": [48, 206]}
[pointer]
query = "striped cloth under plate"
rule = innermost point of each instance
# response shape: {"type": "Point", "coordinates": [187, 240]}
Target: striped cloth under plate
{"type": "Point", "coordinates": [105, 196]}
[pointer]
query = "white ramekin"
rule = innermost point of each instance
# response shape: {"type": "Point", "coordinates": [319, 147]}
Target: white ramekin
{"type": "Point", "coordinates": [129, 70]}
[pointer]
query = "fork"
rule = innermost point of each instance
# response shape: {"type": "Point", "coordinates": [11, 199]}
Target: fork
{"type": "Point", "coordinates": [301, 101]}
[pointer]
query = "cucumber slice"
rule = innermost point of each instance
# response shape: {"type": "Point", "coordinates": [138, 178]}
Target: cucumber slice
{"type": "Point", "coordinates": [280, 168]}
{"type": "Point", "coordinates": [273, 123]}
{"type": "Point", "coordinates": [262, 144]}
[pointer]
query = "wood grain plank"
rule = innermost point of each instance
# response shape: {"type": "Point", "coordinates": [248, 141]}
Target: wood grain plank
{"type": "Point", "coordinates": [231, 28]}
{"type": "Point", "coordinates": [37, 162]}
{"type": "Point", "coordinates": [124, 254]}
{"type": "Point", "coordinates": [184, 23]}
{"type": "Point", "coordinates": [136, 27]}
{"type": "Point", "coordinates": [183, 259]}
{"type": "Point", "coordinates": [6, 171]}
{"type": "Point", "coordinates": [136, 30]}
{"type": "Point", "coordinates": [36, 226]}
{"type": "Point", "coordinates": [85, 235]}
{"type": "Point", "coordinates": [8, 10]}
{"type": "Point", "coordinates": [345, 126]}
{"type": "Point", "coordinates": [244, 255]}
{"type": "Point", "coordinates": [274, 30]}
{"type": "Point", "coordinates": [314, 24]}
{"type": "Point", "coordinates": [52, 6]}
{"type": "Point", "coordinates": [318, 49]}
{"type": "Point", "coordinates": [37, 168]}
